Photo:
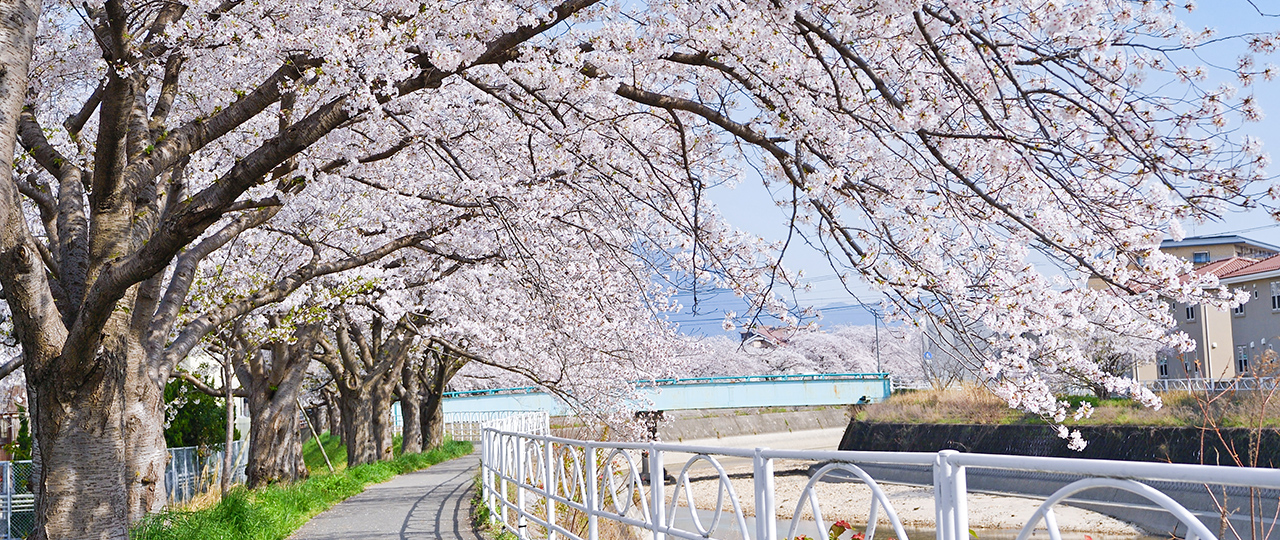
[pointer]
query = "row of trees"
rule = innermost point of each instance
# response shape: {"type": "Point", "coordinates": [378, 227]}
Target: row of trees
{"type": "Point", "coordinates": [519, 183]}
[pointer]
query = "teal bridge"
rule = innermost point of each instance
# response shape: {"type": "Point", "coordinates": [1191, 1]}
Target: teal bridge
{"type": "Point", "coordinates": [700, 393]}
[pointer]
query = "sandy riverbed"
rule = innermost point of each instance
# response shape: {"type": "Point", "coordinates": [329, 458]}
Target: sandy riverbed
{"type": "Point", "coordinates": [851, 501]}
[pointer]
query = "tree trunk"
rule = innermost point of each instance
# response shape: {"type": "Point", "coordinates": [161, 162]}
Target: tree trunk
{"type": "Point", "coordinates": [273, 376]}
{"type": "Point", "coordinates": [382, 430]}
{"type": "Point", "coordinates": [333, 415]}
{"type": "Point", "coordinates": [410, 408]}
{"type": "Point", "coordinates": [83, 480]}
{"type": "Point", "coordinates": [275, 444]}
{"type": "Point", "coordinates": [229, 425]}
{"type": "Point", "coordinates": [357, 422]}
{"type": "Point", "coordinates": [432, 421]}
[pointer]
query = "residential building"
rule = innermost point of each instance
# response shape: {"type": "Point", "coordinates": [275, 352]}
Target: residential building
{"type": "Point", "coordinates": [1228, 342]}
{"type": "Point", "coordinates": [1210, 327]}
{"type": "Point", "coordinates": [1255, 325]}
{"type": "Point", "coordinates": [1206, 249]}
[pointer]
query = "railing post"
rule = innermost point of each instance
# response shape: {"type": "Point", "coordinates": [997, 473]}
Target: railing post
{"type": "Point", "coordinates": [950, 497]}
{"type": "Point", "coordinates": [959, 497]}
{"type": "Point", "coordinates": [485, 492]}
{"type": "Point", "coordinates": [549, 485]}
{"type": "Point", "coordinates": [8, 499]}
{"type": "Point", "coordinates": [522, 459]}
{"type": "Point", "coordinates": [505, 474]}
{"type": "Point", "coordinates": [766, 517]}
{"type": "Point", "coordinates": [657, 500]}
{"type": "Point", "coordinates": [592, 502]}
{"type": "Point", "coordinates": [942, 494]}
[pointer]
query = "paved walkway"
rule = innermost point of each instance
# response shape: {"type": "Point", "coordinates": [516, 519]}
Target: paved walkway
{"type": "Point", "coordinates": [433, 504]}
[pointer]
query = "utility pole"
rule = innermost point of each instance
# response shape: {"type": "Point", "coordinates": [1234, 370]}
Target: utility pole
{"type": "Point", "coordinates": [879, 369]}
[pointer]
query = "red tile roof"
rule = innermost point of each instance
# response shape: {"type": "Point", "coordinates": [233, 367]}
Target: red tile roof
{"type": "Point", "coordinates": [1225, 267]}
{"type": "Point", "coordinates": [1265, 265]}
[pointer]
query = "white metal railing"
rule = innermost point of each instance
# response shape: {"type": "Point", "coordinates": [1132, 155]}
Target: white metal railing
{"type": "Point", "coordinates": [896, 385]}
{"type": "Point", "coordinates": [539, 486]}
{"type": "Point", "coordinates": [1212, 385]}
{"type": "Point", "coordinates": [466, 425]}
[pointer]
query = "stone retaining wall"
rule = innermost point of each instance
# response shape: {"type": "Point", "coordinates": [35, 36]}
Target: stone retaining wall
{"type": "Point", "coordinates": [1130, 443]}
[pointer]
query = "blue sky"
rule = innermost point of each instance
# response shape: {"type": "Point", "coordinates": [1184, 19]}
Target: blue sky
{"type": "Point", "coordinates": [750, 205]}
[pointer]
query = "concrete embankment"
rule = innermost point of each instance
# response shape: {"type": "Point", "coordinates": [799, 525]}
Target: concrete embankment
{"type": "Point", "coordinates": [679, 426]}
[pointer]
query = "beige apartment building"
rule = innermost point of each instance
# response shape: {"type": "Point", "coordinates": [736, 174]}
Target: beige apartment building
{"type": "Point", "coordinates": [1206, 249]}
{"type": "Point", "coordinates": [1255, 325]}
{"type": "Point", "coordinates": [1228, 341]}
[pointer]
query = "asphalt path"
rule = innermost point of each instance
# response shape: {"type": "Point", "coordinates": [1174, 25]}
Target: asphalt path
{"type": "Point", "coordinates": [433, 503]}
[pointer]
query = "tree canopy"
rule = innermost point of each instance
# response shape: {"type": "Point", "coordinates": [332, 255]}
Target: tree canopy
{"type": "Point", "coordinates": [529, 176]}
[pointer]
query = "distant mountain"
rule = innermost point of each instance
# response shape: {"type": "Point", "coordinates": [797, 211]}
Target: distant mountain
{"type": "Point", "coordinates": [712, 306]}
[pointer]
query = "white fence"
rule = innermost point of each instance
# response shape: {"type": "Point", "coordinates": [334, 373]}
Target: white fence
{"type": "Point", "coordinates": [540, 486]}
{"type": "Point", "coordinates": [466, 425]}
{"type": "Point", "coordinates": [1212, 385]}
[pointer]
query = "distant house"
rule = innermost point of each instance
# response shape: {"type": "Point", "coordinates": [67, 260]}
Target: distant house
{"type": "Point", "coordinates": [767, 336]}
{"type": "Point", "coordinates": [1255, 324]}
{"type": "Point", "coordinates": [13, 403]}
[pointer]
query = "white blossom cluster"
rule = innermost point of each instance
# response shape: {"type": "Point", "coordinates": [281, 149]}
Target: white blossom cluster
{"type": "Point", "coordinates": [559, 153]}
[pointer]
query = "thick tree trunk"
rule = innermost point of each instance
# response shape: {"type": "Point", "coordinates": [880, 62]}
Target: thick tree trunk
{"type": "Point", "coordinates": [382, 430]}
{"type": "Point", "coordinates": [275, 444]}
{"type": "Point", "coordinates": [432, 421]}
{"type": "Point", "coordinates": [410, 408]}
{"type": "Point", "coordinates": [357, 421]}
{"type": "Point", "coordinates": [83, 479]}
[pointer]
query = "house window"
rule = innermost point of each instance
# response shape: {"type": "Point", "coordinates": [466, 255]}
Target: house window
{"type": "Point", "coordinates": [1238, 311]}
{"type": "Point", "coordinates": [1275, 295]}
{"type": "Point", "coordinates": [1242, 360]}
{"type": "Point", "coordinates": [1191, 312]}
{"type": "Point", "coordinates": [1162, 368]}
{"type": "Point", "coordinates": [1200, 257]}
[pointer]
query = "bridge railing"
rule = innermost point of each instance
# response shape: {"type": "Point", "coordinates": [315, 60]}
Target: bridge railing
{"type": "Point", "coordinates": [539, 486]}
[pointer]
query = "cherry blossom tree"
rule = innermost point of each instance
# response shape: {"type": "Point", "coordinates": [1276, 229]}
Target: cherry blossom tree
{"type": "Point", "coordinates": [937, 145]}
{"type": "Point", "coordinates": [934, 146]}
{"type": "Point", "coordinates": [141, 160]}
{"type": "Point", "coordinates": [842, 349]}
{"type": "Point", "coordinates": [1115, 354]}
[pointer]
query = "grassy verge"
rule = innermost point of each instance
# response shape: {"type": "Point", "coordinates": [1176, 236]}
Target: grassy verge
{"type": "Point", "coordinates": [976, 405]}
{"type": "Point", "coordinates": [483, 521]}
{"type": "Point", "coordinates": [274, 512]}
{"type": "Point", "coordinates": [336, 451]}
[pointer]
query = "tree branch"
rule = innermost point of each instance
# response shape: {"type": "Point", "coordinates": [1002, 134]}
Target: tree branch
{"type": "Point", "coordinates": [204, 387]}
{"type": "Point", "coordinates": [197, 329]}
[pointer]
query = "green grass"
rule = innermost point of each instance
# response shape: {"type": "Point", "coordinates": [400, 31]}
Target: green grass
{"type": "Point", "coordinates": [274, 512]}
{"type": "Point", "coordinates": [336, 451]}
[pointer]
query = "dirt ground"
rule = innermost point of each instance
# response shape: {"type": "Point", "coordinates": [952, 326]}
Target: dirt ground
{"type": "Point", "coordinates": [851, 501]}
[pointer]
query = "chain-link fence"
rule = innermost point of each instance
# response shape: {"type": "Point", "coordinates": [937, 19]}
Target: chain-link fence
{"type": "Point", "coordinates": [194, 470]}
{"type": "Point", "coordinates": [191, 471]}
{"type": "Point", "coordinates": [19, 502]}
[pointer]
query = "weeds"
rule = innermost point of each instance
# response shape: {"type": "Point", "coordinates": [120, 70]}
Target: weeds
{"type": "Point", "coordinates": [976, 405]}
